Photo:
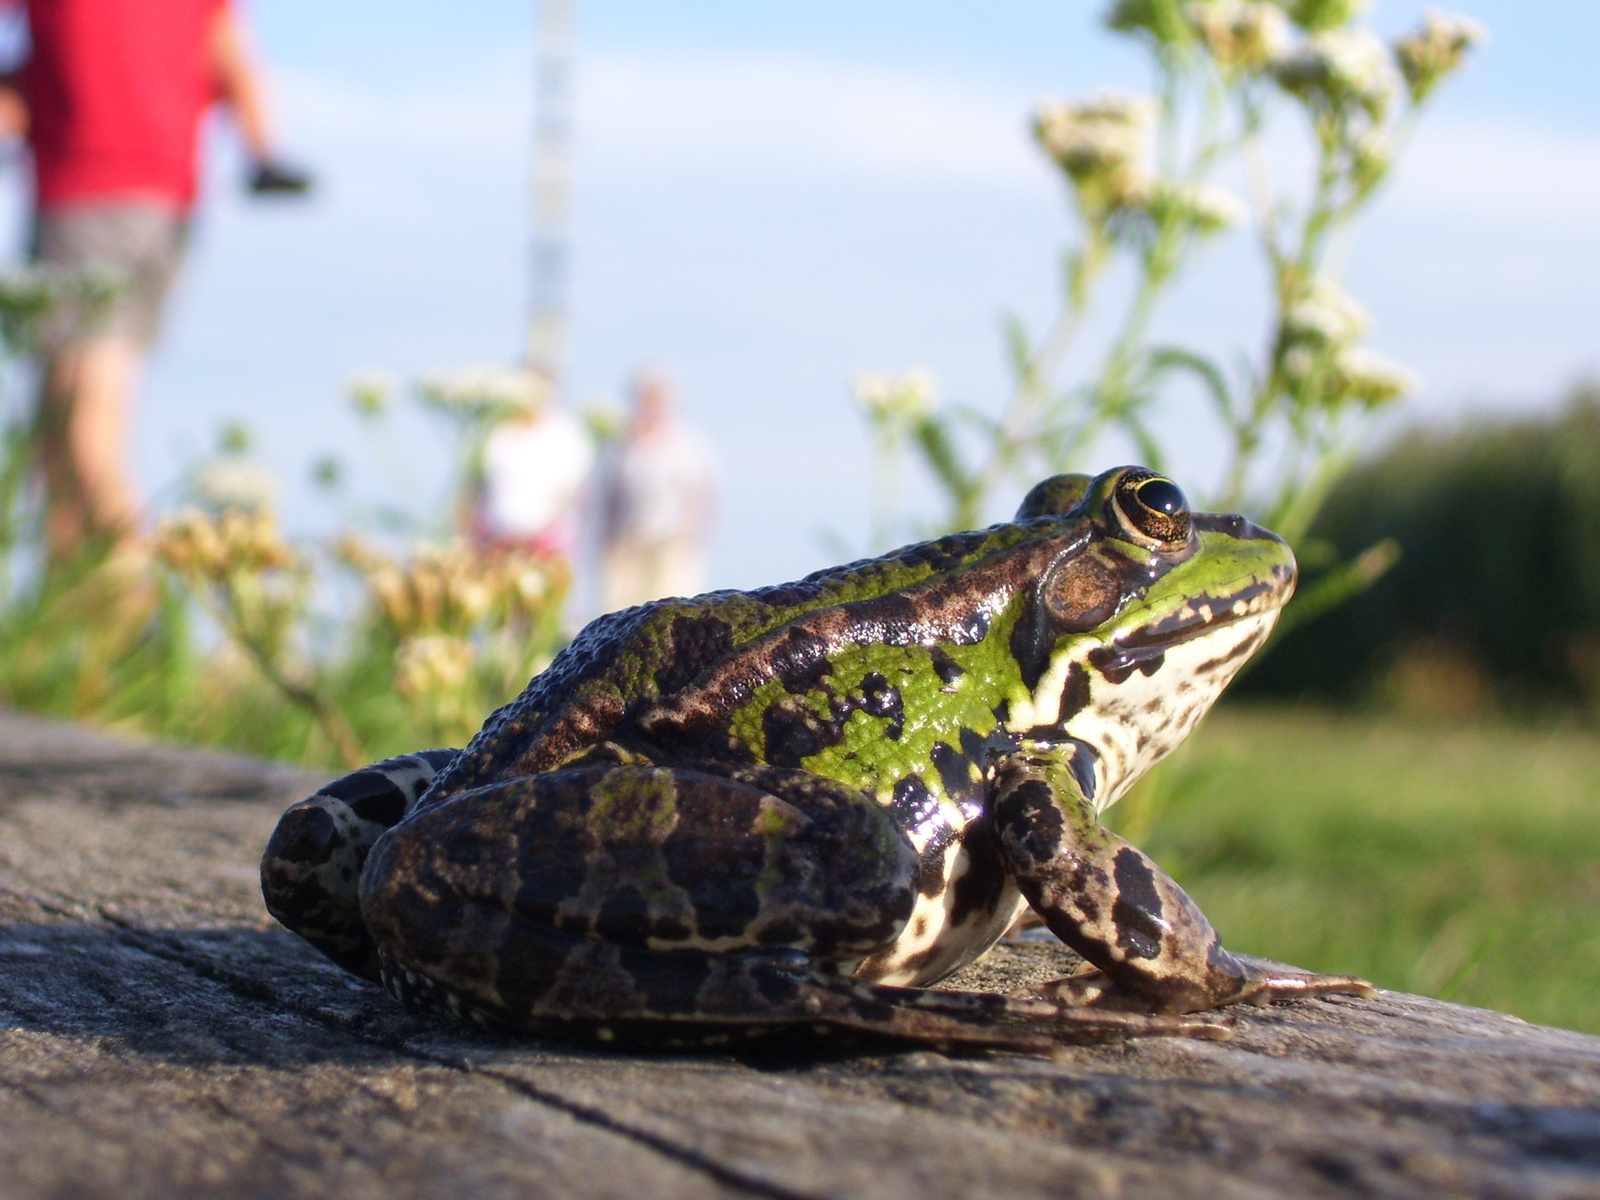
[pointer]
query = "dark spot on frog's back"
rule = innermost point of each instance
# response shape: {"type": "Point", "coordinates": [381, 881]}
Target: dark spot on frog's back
{"type": "Point", "coordinates": [793, 733]}
{"type": "Point", "coordinates": [946, 668]}
{"type": "Point", "coordinates": [880, 699]}
{"type": "Point", "coordinates": [1137, 913]}
{"type": "Point", "coordinates": [696, 643]}
{"type": "Point", "coordinates": [800, 660]}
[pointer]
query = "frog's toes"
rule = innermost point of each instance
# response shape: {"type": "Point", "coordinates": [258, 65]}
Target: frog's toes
{"type": "Point", "coordinates": [1265, 987]}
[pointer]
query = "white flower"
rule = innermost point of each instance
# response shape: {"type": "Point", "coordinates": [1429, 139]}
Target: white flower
{"type": "Point", "coordinates": [1205, 207]}
{"type": "Point", "coordinates": [233, 482]}
{"type": "Point", "coordinates": [1372, 379]}
{"type": "Point", "coordinates": [1325, 315]}
{"type": "Point", "coordinates": [484, 391]}
{"type": "Point", "coordinates": [1240, 34]}
{"type": "Point", "coordinates": [1432, 52]}
{"type": "Point", "coordinates": [1340, 68]}
{"type": "Point", "coordinates": [898, 398]}
{"type": "Point", "coordinates": [1099, 143]}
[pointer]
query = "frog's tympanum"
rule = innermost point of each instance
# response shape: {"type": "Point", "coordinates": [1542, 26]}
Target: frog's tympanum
{"type": "Point", "coordinates": [791, 809]}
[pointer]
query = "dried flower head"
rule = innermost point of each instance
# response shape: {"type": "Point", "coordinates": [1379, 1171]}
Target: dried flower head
{"type": "Point", "coordinates": [896, 398]}
{"type": "Point", "coordinates": [455, 587]}
{"type": "Point", "coordinates": [1324, 316]}
{"type": "Point", "coordinates": [1100, 144]}
{"type": "Point", "coordinates": [1430, 54]}
{"type": "Point", "coordinates": [233, 483]}
{"type": "Point", "coordinates": [1370, 379]}
{"type": "Point", "coordinates": [1339, 70]}
{"type": "Point", "coordinates": [1240, 35]}
{"type": "Point", "coordinates": [433, 666]}
{"type": "Point", "coordinates": [1203, 207]}
{"type": "Point", "coordinates": [485, 392]}
{"type": "Point", "coordinates": [215, 547]}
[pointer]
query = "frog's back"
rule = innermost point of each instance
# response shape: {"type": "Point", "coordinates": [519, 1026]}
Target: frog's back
{"type": "Point", "coordinates": [624, 661]}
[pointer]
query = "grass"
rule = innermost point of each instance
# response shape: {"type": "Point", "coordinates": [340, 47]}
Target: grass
{"type": "Point", "coordinates": [1460, 861]}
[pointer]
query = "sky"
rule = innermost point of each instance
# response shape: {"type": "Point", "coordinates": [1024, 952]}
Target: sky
{"type": "Point", "coordinates": [771, 198]}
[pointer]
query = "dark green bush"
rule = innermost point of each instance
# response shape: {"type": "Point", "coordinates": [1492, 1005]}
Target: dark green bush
{"type": "Point", "coordinates": [1496, 598]}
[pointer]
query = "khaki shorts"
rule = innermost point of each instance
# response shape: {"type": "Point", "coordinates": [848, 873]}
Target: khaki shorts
{"type": "Point", "coordinates": [123, 255]}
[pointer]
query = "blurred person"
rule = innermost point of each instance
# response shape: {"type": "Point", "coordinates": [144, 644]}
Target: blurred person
{"type": "Point", "coordinates": [535, 466]}
{"type": "Point", "coordinates": [111, 100]}
{"type": "Point", "coordinates": [656, 504]}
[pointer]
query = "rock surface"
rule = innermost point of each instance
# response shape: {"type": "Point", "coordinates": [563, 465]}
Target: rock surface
{"type": "Point", "coordinates": [159, 1036]}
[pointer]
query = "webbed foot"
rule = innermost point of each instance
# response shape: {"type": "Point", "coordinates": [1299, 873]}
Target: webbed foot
{"type": "Point", "coordinates": [1259, 981]}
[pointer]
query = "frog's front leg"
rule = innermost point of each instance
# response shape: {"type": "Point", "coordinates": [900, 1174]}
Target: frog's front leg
{"type": "Point", "coordinates": [1154, 948]}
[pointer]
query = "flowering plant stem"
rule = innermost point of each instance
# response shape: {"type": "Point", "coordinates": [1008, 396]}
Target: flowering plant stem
{"type": "Point", "coordinates": [1218, 65]}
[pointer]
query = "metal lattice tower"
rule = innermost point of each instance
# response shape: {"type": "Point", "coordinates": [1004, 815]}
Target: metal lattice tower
{"type": "Point", "coordinates": [552, 187]}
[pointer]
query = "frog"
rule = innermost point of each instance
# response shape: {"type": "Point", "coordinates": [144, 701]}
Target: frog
{"type": "Point", "coordinates": [793, 810]}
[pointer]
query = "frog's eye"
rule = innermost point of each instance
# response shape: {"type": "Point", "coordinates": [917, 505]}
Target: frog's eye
{"type": "Point", "coordinates": [1153, 506]}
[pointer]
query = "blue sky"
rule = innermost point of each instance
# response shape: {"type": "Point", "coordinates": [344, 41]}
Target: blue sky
{"type": "Point", "coordinates": [772, 197]}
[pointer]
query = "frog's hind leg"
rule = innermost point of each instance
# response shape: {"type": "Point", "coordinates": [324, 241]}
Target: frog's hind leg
{"type": "Point", "coordinates": [676, 906]}
{"type": "Point", "coordinates": [312, 865]}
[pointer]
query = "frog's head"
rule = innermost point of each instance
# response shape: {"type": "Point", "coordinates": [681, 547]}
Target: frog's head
{"type": "Point", "coordinates": [1137, 626]}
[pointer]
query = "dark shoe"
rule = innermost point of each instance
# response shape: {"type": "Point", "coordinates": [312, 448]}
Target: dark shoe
{"type": "Point", "coordinates": [278, 179]}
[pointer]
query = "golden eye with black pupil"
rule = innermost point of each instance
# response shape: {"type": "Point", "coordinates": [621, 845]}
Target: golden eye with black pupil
{"type": "Point", "coordinates": [1154, 506]}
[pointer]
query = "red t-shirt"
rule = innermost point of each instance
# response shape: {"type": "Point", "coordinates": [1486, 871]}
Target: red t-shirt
{"type": "Point", "coordinates": [116, 90]}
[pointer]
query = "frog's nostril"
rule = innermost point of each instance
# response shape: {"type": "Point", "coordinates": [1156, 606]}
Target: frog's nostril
{"type": "Point", "coordinates": [303, 836]}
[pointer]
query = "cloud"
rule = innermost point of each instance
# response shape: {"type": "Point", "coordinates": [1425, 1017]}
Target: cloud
{"type": "Point", "coordinates": [777, 112]}
{"type": "Point", "coordinates": [1501, 172]}
{"type": "Point", "coordinates": [697, 113]}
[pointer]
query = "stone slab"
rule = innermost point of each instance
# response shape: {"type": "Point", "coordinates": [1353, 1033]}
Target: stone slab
{"type": "Point", "coordinates": [160, 1036]}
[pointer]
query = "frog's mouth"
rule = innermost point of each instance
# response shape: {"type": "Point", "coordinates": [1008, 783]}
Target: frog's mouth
{"type": "Point", "coordinates": [1143, 647]}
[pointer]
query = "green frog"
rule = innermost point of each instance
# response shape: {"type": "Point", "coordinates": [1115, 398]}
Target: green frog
{"type": "Point", "coordinates": [792, 809]}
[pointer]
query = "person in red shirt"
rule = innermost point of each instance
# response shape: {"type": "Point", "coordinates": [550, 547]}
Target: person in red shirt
{"type": "Point", "coordinates": [111, 101]}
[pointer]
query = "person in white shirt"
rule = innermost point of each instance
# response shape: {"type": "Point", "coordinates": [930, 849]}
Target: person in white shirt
{"type": "Point", "coordinates": [535, 465]}
{"type": "Point", "coordinates": [657, 500]}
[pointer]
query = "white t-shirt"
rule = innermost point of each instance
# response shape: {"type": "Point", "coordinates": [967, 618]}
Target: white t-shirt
{"type": "Point", "coordinates": [533, 472]}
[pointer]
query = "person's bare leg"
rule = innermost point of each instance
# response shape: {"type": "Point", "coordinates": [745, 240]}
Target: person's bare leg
{"type": "Point", "coordinates": [87, 407]}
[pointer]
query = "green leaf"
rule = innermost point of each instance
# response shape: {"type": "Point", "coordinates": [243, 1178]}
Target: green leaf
{"type": "Point", "coordinates": [1161, 360]}
{"type": "Point", "coordinates": [1018, 350]}
{"type": "Point", "coordinates": [939, 452]}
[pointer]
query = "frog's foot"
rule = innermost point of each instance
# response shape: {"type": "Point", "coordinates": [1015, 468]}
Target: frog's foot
{"type": "Point", "coordinates": [618, 997]}
{"type": "Point", "coordinates": [1265, 982]}
{"type": "Point", "coordinates": [1260, 982]}
{"type": "Point", "coordinates": [1045, 1017]}
{"type": "Point", "coordinates": [312, 865]}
